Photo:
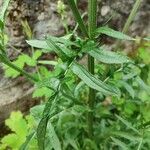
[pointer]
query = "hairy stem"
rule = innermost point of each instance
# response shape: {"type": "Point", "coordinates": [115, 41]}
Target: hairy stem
{"type": "Point", "coordinates": [92, 22]}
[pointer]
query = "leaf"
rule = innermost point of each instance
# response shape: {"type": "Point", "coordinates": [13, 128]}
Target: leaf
{"type": "Point", "coordinates": [56, 49]}
{"type": "Point", "coordinates": [41, 130]}
{"type": "Point", "coordinates": [127, 135]}
{"type": "Point", "coordinates": [51, 83]}
{"type": "Point", "coordinates": [26, 143]}
{"type": "Point", "coordinates": [37, 112]}
{"type": "Point", "coordinates": [77, 16]}
{"type": "Point", "coordinates": [88, 46]}
{"type": "Point", "coordinates": [63, 40]}
{"type": "Point", "coordinates": [147, 38]}
{"type": "Point", "coordinates": [112, 33]}
{"type": "Point", "coordinates": [142, 84]}
{"type": "Point", "coordinates": [128, 88]}
{"type": "Point", "coordinates": [62, 52]}
{"type": "Point", "coordinates": [7, 62]}
{"type": "Point", "coordinates": [36, 54]}
{"type": "Point", "coordinates": [42, 92]}
{"type": "Point", "coordinates": [4, 9]}
{"type": "Point", "coordinates": [53, 138]}
{"type": "Point", "coordinates": [54, 44]}
{"type": "Point", "coordinates": [119, 143]}
{"type": "Point", "coordinates": [19, 126]}
{"type": "Point", "coordinates": [128, 124]}
{"type": "Point", "coordinates": [19, 62]}
{"type": "Point", "coordinates": [108, 57]}
{"type": "Point", "coordinates": [48, 62]}
{"type": "Point", "coordinates": [93, 82]}
{"type": "Point", "coordinates": [1, 25]}
{"type": "Point", "coordinates": [12, 140]}
{"type": "Point", "coordinates": [26, 28]}
{"type": "Point", "coordinates": [41, 44]}
{"type": "Point", "coordinates": [28, 60]}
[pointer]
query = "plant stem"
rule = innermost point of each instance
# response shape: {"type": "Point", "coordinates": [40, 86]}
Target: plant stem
{"type": "Point", "coordinates": [10, 64]}
{"type": "Point", "coordinates": [92, 23]}
{"type": "Point", "coordinates": [129, 20]}
{"type": "Point", "coordinates": [131, 16]}
{"type": "Point", "coordinates": [78, 17]}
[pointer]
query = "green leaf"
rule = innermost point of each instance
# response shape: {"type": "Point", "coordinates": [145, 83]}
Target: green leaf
{"type": "Point", "coordinates": [12, 140]}
{"type": "Point", "coordinates": [88, 46]}
{"type": "Point", "coordinates": [63, 40]}
{"type": "Point", "coordinates": [128, 124]}
{"type": "Point", "coordinates": [127, 135]}
{"type": "Point", "coordinates": [112, 33]}
{"type": "Point", "coordinates": [53, 138]}
{"type": "Point", "coordinates": [41, 44]}
{"type": "Point", "coordinates": [128, 88]}
{"type": "Point", "coordinates": [51, 83]}
{"type": "Point", "coordinates": [62, 52]}
{"type": "Point", "coordinates": [119, 143]}
{"type": "Point", "coordinates": [48, 62]}
{"type": "Point", "coordinates": [7, 62]}
{"type": "Point", "coordinates": [142, 84]}
{"type": "Point", "coordinates": [41, 130]}
{"type": "Point", "coordinates": [42, 92]}
{"type": "Point", "coordinates": [108, 57]}
{"type": "Point", "coordinates": [77, 16]}
{"type": "Point", "coordinates": [20, 63]}
{"type": "Point", "coordinates": [4, 9]}
{"type": "Point", "coordinates": [147, 39]}
{"type": "Point", "coordinates": [1, 25]}
{"type": "Point", "coordinates": [93, 82]}
{"type": "Point", "coordinates": [19, 126]}
{"type": "Point", "coordinates": [28, 60]}
{"type": "Point", "coordinates": [36, 54]}
{"type": "Point", "coordinates": [26, 143]}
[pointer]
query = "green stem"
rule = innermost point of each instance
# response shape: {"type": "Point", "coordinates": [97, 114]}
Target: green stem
{"type": "Point", "coordinates": [131, 16]}
{"type": "Point", "coordinates": [129, 20]}
{"type": "Point", "coordinates": [10, 64]}
{"type": "Point", "coordinates": [92, 23]}
{"type": "Point", "coordinates": [78, 17]}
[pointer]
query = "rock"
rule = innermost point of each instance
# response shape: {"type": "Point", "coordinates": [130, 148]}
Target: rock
{"type": "Point", "coordinates": [105, 10]}
{"type": "Point", "coordinates": [15, 95]}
